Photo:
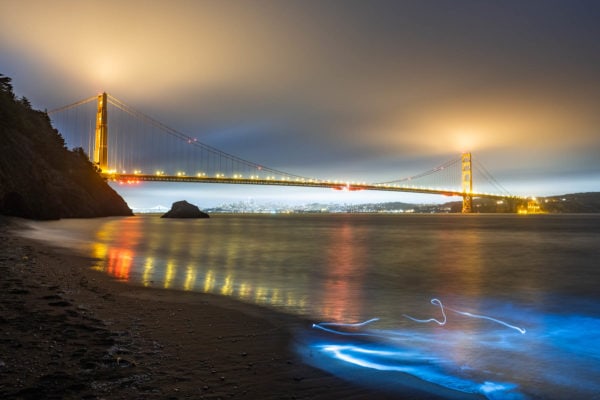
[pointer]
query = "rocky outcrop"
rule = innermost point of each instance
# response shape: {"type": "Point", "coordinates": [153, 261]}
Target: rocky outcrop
{"type": "Point", "coordinates": [39, 177]}
{"type": "Point", "coordinates": [183, 209]}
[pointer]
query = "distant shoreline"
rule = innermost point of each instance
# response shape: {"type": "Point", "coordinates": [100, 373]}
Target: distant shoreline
{"type": "Point", "coordinates": [579, 203]}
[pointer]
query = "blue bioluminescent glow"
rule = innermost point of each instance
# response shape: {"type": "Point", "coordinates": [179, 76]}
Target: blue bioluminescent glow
{"type": "Point", "coordinates": [415, 364]}
{"type": "Point", "coordinates": [437, 302]}
{"type": "Point", "coordinates": [558, 357]}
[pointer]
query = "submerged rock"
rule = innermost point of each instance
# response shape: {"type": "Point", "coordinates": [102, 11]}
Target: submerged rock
{"type": "Point", "coordinates": [183, 209]}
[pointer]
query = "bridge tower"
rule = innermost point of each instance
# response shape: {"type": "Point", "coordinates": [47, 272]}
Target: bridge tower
{"type": "Point", "coordinates": [467, 183]}
{"type": "Point", "coordinates": [100, 145]}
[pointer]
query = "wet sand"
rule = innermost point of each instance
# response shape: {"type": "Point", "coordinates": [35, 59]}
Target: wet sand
{"type": "Point", "coordinates": [67, 331]}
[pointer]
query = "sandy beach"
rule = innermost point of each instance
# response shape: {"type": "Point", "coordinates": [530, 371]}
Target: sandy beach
{"type": "Point", "coordinates": [67, 331]}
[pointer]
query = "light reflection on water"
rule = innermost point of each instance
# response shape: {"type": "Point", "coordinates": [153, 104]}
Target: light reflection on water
{"type": "Point", "coordinates": [187, 260]}
{"type": "Point", "coordinates": [536, 272]}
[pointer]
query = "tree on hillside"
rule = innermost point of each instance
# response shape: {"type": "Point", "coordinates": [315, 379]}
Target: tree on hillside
{"type": "Point", "coordinates": [25, 101]}
{"type": "Point", "coordinates": [5, 85]}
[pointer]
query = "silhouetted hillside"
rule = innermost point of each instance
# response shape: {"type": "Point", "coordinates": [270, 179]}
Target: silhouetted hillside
{"type": "Point", "coordinates": [39, 177]}
{"type": "Point", "coordinates": [572, 203]}
{"type": "Point", "coordinates": [566, 203]}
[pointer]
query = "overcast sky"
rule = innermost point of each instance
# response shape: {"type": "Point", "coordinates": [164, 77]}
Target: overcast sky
{"type": "Point", "coordinates": [364, 90]}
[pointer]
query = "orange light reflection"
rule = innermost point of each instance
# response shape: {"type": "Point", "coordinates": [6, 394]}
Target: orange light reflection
{"type": "Point", "coordinates": [119, 263]}
{"type": "Point", "coordinates": [118, 257]}
{"type": "Point", "coordinates": [345, 270]}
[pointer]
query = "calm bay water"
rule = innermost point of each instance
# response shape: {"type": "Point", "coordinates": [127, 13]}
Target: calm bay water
{"type": "Point", "coordinates": [494, 277]}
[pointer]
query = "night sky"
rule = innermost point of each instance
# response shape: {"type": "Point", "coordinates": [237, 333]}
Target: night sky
{"type": "Point", "coordinates": [359, 90]}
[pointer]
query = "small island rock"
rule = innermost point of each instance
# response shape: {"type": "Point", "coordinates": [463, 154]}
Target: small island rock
{"type": "Point", "coordinates": [183, 209]}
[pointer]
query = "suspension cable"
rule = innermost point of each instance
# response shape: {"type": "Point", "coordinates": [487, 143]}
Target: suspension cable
{"type": "Point", "coordinates": [68, 107]}
{"type": "Point", "coordinates": [423, 174]}
{"type": "Point", "coordinates": [490, 178]}
{"type": "Point", "coordinates": [173, 132]}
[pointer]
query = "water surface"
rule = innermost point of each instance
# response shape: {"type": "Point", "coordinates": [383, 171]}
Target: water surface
{"type": "Point", "coordinates": [518, 313]}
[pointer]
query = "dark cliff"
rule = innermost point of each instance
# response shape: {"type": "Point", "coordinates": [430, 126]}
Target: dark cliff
{"type": "Point", "coordinates": [39, 177]}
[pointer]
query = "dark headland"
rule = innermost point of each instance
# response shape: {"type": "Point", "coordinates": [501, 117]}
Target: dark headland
{"type": "Point", "coordinates": [39, 177]}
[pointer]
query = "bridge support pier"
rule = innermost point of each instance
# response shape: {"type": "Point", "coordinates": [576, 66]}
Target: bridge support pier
{"type": "Point", "coordinates": [101, 143]}
{"type": "Point", "coordinates": [467, 183]}
{"type": "Point", "coordinates": [467, 206]}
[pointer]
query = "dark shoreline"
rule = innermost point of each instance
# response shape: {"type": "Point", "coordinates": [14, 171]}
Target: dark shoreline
{"type": "Point", "coordinates": [71, 332]}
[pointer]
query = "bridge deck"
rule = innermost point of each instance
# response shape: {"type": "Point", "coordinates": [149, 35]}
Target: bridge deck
{"type": "Point", "coordinates": [335, 185]}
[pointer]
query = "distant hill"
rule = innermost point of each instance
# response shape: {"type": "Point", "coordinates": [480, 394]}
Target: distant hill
{"type": "Point", "coordinates": [566, 203]}
{"type": "Point", "coordinates": [572, 203]}
{"type": "Point", "coordinates": [39, 177]}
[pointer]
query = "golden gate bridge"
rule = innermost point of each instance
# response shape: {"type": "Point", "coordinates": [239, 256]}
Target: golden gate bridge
{"type": "Point", "coordinates": [141, 148]}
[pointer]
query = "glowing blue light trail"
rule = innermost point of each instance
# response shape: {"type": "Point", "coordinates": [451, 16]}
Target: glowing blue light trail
{"type": "Point", "coordinates": [421, 356]}
{"type": "Point", "coordinates": [324, 327]}
{"type": "Point", "coordinates": [437, 302]}
{"type": "Point", "coordinates": [468, 314]}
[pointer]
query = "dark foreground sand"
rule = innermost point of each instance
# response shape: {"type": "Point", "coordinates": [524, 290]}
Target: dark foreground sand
{"type": "Point", "coordinates": [67, 331]}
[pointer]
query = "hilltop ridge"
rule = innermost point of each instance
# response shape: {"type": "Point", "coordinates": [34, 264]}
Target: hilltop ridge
{"type": "Point", "coordinates": [39, 177]}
